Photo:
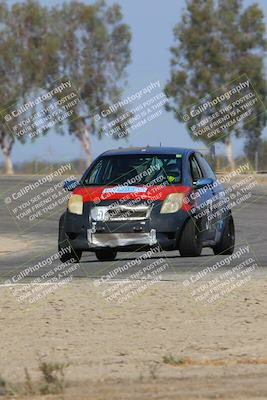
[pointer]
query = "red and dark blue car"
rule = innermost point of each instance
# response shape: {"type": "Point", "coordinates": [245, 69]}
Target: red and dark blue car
{"type": "Point", "coordinates": [137, 198]}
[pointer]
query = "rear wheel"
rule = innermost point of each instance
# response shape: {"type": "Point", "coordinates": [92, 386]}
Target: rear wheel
{"type": "Point", "coordinates": [227, 242]}
{"type": "Point", "coordinates": [67, 253]}
{"type": "Point", "coordinates": [190, 244]}
{"type": "Point", "coordinates": [106, 254]}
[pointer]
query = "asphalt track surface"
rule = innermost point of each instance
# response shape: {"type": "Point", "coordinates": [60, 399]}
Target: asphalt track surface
{"type": "Point", "coordinates": [250, 222]}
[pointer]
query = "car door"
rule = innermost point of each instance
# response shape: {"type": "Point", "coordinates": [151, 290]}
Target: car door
{"type": "Point", "coordinates": [203, 199]}
{"type": "Point", "coordinates": [216, 201]}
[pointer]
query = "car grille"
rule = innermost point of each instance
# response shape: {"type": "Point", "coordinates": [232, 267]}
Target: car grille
{"type": "Point", "coordinates": [120, 213]}
{"type": "Point", "coordinates": [128, 213]}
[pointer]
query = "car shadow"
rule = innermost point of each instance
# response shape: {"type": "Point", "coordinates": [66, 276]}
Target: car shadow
{"type": "Point", "coordinates": [150, 258]}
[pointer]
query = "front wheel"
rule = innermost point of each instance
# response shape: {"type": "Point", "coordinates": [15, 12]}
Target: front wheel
{"type": "Point", "coordinates": [106, 254]}
{"type": "Point", "coordinates": [66, 252]}
{"type": "Point", "coordinates": [190, 244]}
{"type": "Point", "coordinates": [69, 254]}
{"type": "Point", "coordinates": [227, 242]}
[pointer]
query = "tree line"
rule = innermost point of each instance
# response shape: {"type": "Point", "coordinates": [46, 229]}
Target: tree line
{"type": "Point", "coordinates": [215, 41]}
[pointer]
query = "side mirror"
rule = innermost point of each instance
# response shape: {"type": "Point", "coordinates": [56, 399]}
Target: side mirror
{"type": "Point", "coordinates": [70, 185]}
{"type": "Point", "coordinates": [200, 183]}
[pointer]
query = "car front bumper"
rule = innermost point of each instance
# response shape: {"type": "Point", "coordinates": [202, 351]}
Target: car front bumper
{"type": "Point", "coordinates": [156, 229]}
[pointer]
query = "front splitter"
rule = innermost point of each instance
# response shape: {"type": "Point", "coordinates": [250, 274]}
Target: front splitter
{"type": "Point", "coordinates": [121, 239]}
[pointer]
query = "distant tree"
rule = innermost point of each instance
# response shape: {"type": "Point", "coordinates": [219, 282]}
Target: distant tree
{"type": "Point", "coordinates": [94, 53]}
{"type": "Point", "coordinates": [262, 156]}
{"type": "Point", "coordinates": [27, 62]}
{"type": "Point", "coordinates": [215, 42]}
{"type": "Point", "coordinates": [87, 44]}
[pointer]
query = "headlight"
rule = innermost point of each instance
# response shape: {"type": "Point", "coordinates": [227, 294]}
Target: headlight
{"type": "Point", "coordinates": [75, 204]}
{"type": "Point", "coordinates": [172, 203]}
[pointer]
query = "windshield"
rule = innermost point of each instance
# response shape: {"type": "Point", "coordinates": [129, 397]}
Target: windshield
{"type": "Point", "coordinates": [135, 170]}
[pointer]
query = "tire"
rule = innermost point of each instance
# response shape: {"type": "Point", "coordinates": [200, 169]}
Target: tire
{"type": "Point", "coordinates": [227, 243]}
{"type": "Point", "coordinates": [190, 244]}
{"type": "Point", "coordinates": [63, 243]}
{"type": "Point", "coordinates": [106, 254]}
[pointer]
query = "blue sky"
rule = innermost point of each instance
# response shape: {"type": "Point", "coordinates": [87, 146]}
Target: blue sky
{"type": "Point", "coordinates": [151, 23]}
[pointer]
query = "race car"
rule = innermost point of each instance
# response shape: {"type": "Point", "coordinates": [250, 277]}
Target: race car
{"type": "Point", "coordinates": [137, 198]}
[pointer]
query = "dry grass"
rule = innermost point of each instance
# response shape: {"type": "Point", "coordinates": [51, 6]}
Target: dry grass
{"type": "Point", "coordinates": [52, 381]}
{"type": "Point", "coordinates": [187, 361]}
{"type": "Point", "coordinates": [53, 377]}
{"type": "Point", "coordinates": [175, 361]}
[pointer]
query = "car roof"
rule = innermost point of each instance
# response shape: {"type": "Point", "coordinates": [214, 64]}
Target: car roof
{"type": "Point", "coordinates": [146, 150]}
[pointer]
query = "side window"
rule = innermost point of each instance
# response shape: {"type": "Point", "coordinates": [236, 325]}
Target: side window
{"type": "Point", "coordinates": [195, 170]}
{"type": "Point", "coordinates": [206, 168]}
{"type": "Point", "coordinates": [94, 175]}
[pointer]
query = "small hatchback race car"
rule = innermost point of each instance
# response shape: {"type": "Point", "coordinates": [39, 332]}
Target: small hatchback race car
{"type": "Point", "coordinates": [137, 198]}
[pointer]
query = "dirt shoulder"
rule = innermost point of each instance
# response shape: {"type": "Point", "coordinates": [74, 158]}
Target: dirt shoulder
{"type": "Point", "coordinates": [159, 345]}
{"type": "Point", "coordinates": [9, 244]}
